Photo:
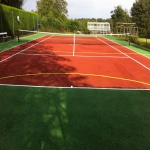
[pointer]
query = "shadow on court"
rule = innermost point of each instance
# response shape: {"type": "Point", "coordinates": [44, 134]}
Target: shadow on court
{"type": "Point", "coordinates": [38, 66]}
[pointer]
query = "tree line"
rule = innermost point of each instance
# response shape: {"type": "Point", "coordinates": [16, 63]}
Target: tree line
{"type": "Point", "coordinates": [53, 16]}
{"type": "Point", "coordinates": [14, 3]}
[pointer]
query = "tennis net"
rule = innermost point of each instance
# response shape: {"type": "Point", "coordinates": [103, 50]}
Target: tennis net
{"type": "Point", "coordinates": [63, 38]}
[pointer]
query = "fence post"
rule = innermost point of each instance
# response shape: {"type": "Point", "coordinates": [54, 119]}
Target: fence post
{"type": "Point", "coordinates": [13, 23]}
{"type": "Point", "coordinates": [129, 39]}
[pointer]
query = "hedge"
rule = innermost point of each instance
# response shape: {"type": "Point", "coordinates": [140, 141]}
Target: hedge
{"type": "Point", "coordinates": [10, 24]}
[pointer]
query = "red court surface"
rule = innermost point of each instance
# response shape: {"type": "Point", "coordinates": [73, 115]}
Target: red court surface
{"type": "Point", "coordinates": [78, 62]}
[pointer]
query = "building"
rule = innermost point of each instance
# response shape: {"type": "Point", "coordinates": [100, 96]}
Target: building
{"type": "Point", "coordinates": [99, 27]}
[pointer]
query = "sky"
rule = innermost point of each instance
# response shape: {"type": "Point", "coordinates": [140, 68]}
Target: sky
{"type": "Point", "coordinates": [88, 8]}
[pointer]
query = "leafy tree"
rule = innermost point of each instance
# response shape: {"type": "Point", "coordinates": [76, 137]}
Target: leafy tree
{"type": "Point", "coordinates": [52, 13]}
{"type": "Point", "coordinates": [140, 13]}
{"type": "Point", "coordinates": [72, 25]}
{"type": "Point", "coordinates": [14, 3]}
{"type": "Point", "coordinates": [120, 15]}
{"type": "Point", "coordinates": [55, 8]}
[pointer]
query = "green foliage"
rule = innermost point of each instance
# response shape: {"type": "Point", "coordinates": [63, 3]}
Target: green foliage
{"type": "Point", "coordinates": [55, 8]}
{"type": "Point", "coordinates": [9, 23]}
{"type": "Point", "coordinates": [52, 14]}
{"type": "Point", "coordinates": [72, 25]}
{"type": "Point", "coordinates": [51, 24]}
{"type": "Point", "coordinates": [14, 3]}
{"type": "Point", "coordinates": [140, 13]}
{"type": "Point", "coordinates": [120, 15]}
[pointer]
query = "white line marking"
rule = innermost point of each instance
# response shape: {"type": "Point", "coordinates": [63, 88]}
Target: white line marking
{"type": "Point", "coordinates": [128, 48]}
{"type": "Point", "coordinates": [71, 56]}
{"type": "Point", "coordinates": [87, 88]}
{"type": "Point", "coordinates": [74, 44]}
{"type": "Point", "coordinates": [43, 55]}
{"type": "Point", "coordinates": [100, 56]}
{"type": "Point", "coordinates": [125, 54]}
{"type": "Point", "coordinates": [24, 50]}
{"type": "Point", "coordinates": [21, 44]}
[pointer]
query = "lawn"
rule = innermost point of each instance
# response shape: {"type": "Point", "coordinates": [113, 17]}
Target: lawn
{"type": "Point", "coordinates": [71, 119]}
{"type": "Point", "coordinates": [140, 48]}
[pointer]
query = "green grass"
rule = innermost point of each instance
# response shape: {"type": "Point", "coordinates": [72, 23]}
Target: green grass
{"type": "Point", "coordinates": [14, 42]}
{"type": "Point", "coordinates": [142, 42]}
{"type": "Point", "coordinates": [138, 48]}
{"type": "Point", "coordinates": [73, 119]}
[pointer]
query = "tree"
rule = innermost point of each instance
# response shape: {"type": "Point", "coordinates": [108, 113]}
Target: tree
{"type": "Point", "coordinates": [140, 13]}
{"type": "Point", "coordinates": [14, 3]}
{"type": "Point", "coordinates": [54, 8]}
{"type": "Point", "coordinates": [72, 25]}
{"type": "Point", "coordinates": [120, 15]}
{"type": "Point", "coordinates": [52, 12]}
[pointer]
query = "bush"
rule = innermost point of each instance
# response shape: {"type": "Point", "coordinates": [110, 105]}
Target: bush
{"type": "Point", "coordinates": [9, 23]}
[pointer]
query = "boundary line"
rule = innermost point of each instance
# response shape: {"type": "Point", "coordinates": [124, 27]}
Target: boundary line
{"type": "Point", "coordinates": [24, 50]}
{"type": "Point", "coordinates": [125, 54]}
{"type": "Point", "coordinates": [72, 87]}
{"type": "Point", "coordinates": [127, 47]}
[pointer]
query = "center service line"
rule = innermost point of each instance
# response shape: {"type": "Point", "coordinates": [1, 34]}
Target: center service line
{"type": "Point", "coordinates": [74, 44]}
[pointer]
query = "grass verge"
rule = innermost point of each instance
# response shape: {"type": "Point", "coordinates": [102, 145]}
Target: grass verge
{"type": "Point", "coordinates": [71, 119]}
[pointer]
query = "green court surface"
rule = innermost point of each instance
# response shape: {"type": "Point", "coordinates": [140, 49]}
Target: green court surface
{"type": "Point", "coordinates": [142, 50]}
{"type": "Point", "coordinates": [74, 119]}
{"type": "Point", "coordinates": [12, 43]}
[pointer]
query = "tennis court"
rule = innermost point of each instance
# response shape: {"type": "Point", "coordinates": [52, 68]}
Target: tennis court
{"type": "Point", "coordinates": [65, 61]}
{"type": "Point", "coordinates": [73, 92]}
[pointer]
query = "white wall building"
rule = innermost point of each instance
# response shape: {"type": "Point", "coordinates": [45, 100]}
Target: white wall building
{"type": "Point", "coordinates": [99, 27]}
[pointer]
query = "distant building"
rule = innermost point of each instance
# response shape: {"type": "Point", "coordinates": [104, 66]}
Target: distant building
{"type": "Point", "coordinates": [99, 27]}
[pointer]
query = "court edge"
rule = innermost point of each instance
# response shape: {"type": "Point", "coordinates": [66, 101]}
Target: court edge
{"type": "Point", "coordinates": [20, 44]}
{"type": "Point", "coordinates": [71, 87]}
{"type": "Point", "coordinates": [127, 48]}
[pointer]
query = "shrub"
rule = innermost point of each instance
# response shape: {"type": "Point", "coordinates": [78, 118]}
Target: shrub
{"type": "Point", "coordinates": [10, 24]}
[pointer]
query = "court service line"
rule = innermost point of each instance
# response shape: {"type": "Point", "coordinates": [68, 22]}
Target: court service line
{"type": "Point", "coordinates": [44, 55]}
{"type": "Point", "coordinates": [75, 56]}
{"type": "Point", "coordinates": [101, 56]}
{"type": "Point", "coordinates": [74, 44]}
{"type": "Point", "coordinates": [24, 49]}
{"type": "Point", "coordinates": [117, 53]}
{"type": "Point", "coordinates": [74, 73]}
{"type": "Point", "coordinates": [124, 54]}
